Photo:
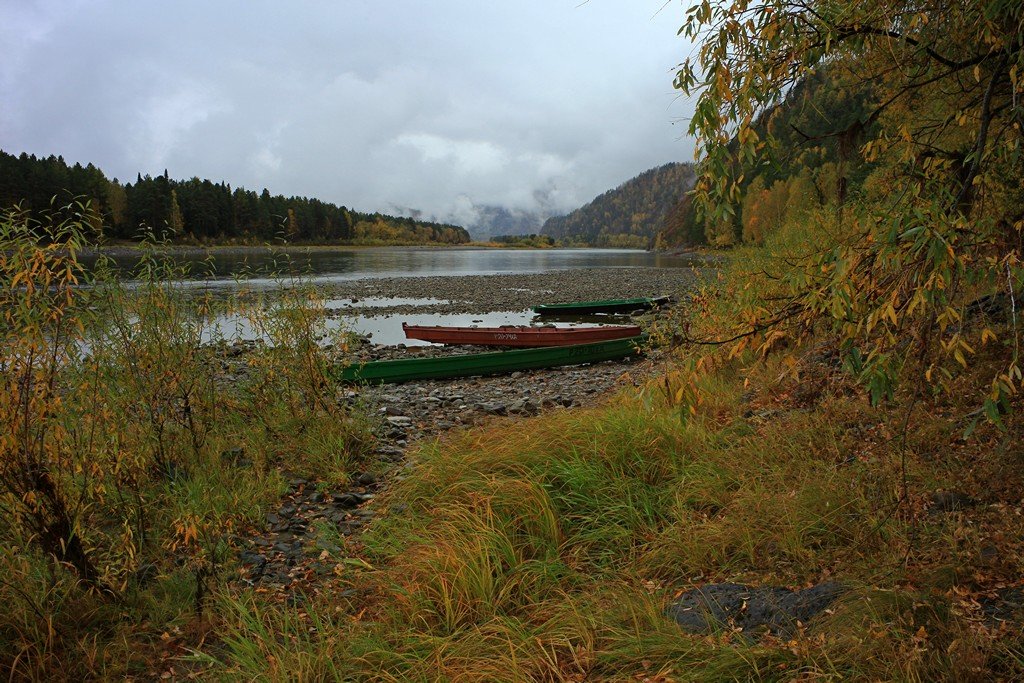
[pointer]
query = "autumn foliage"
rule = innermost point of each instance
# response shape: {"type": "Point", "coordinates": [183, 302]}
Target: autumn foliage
{"type": "Point", "coordinates": [900, 219]}
{"type": "Point", "coordinates": [116, 409]}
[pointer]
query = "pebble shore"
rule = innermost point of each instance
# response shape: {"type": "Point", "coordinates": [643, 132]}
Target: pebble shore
{"type": "Point", "coordinates": [510, 292]}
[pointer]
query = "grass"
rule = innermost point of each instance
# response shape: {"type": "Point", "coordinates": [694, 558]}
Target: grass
{"type": "Point", "coordinates": [548, 549]}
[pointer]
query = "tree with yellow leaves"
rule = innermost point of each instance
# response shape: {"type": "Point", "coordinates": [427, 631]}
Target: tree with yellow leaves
{"type": "Point", "coordinates": [943, 126]}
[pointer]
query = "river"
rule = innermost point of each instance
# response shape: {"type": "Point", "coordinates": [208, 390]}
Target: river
{"type": "Point", "coordinates": [371, 291]}
{"type": "Point", "coordinates": [329, 264]}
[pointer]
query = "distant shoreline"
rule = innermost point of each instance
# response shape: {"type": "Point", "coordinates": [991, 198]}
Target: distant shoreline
{"type": "Point", "coordinates": [126, 249]}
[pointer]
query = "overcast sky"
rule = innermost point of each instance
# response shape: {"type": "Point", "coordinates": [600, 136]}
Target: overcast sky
{"type": "Point", "coordinates": [433, 105]}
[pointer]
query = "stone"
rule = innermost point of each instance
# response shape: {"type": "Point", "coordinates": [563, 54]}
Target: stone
{"type": "Point", "coordinates": [366, 479]}
{"type": "Point", "coordinates": [1004, 605]}
{"type": "Point", "coordinates": [719, 606]}
{"type": "Point", "coordinates": [518, 407]}
{"type": "Point", "coordinates": [256, 561]}
{"type": "Point", "coordinates": [346, 500]}
{"type": "Point", "coordinates": [339, 518]}
{"type": "Point", "coordinates": [494, 408]}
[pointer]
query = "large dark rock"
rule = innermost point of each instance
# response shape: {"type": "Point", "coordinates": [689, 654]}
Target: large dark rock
{"type": "Point", "coordinates": [723, 605]}
{"type": "Point", "coordinates": [950, 501]}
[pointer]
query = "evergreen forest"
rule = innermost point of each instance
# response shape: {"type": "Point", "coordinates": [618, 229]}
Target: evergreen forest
{"type": "Point", "coordinates": [198, 211]}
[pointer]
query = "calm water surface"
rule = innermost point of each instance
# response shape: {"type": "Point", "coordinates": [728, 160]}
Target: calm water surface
{"type": "Point", "coordinates": [333, 265]}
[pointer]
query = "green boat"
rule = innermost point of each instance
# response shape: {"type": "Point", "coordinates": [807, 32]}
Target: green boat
{"type": "Point", "coordinates": [606, 306]}
{"type": "Point", "coordinates": [492, 363]}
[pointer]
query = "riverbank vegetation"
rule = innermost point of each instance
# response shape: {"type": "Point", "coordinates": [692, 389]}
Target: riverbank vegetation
{"type": "Point", "coordinates": [531, 241]}
{"type": "Point", "coordinates": [129, 459]}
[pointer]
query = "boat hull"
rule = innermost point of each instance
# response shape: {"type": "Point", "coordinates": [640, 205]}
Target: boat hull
{"type": "Point", "coordinates": [519, 336]}
{"type": "Point", "coordinates": [491, 363]}
{"type": "Point", "coordinates": [606, 306]}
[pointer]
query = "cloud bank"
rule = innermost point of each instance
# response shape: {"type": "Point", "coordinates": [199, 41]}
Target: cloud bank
{"type": "Point", "coordinates": [536, 105]}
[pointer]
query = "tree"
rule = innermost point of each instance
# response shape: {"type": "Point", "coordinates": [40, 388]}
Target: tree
{"type": "Point", "coordinates": [943, 124]}
{"type": "Point", "coordinates": [117, 201]}
{"type": "Point", "coordinates": [964, 60]}
{"type": "Point", "coordinates": [176, 223]}
{"type": "Point", "coordinates": [751, 216]}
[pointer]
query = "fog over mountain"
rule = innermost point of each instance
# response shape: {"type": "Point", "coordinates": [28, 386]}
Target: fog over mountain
{"type": "Point", "coordinates": [485, 221]}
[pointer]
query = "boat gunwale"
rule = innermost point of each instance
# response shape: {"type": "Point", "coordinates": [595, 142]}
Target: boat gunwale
{"type": "Point", "coordinates": [519, 336]}
{"type": "Point", "coordinates": [391, 370]}
{"type": "Point", "coordinates": [646, 302]}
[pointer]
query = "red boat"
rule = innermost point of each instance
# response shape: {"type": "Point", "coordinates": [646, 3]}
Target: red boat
{"type": "Point", "coordinates": [519, 335]}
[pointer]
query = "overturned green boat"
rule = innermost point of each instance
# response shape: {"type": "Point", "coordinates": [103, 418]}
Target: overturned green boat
{"type": "Point", "coordinates": [491, 363]}
{"type": "Point", "coordinates": [603, 306]}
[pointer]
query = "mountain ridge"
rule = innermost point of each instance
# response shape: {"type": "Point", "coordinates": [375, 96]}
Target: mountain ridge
{"type": "Point", "coordinates": [631, 214]}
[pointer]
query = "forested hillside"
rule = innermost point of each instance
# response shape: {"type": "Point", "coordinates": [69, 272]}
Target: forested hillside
{"type": "Point", "coordinates": [201, 211]}
{"type": "Point", "coordinates": [805, 166]}
{"type": "Point", "coordinates": [628, 216]}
